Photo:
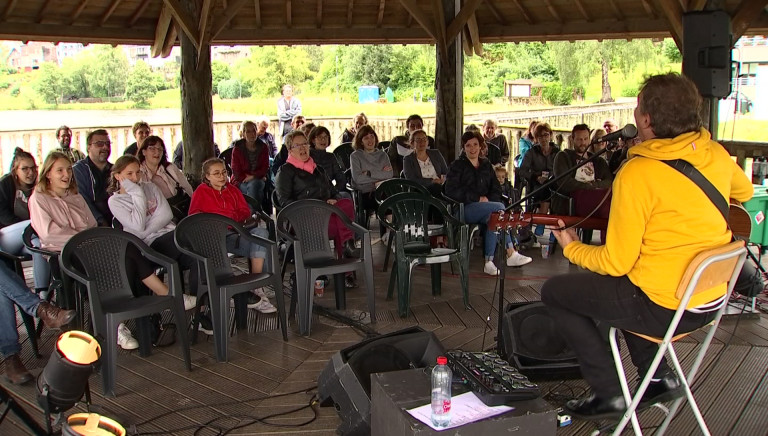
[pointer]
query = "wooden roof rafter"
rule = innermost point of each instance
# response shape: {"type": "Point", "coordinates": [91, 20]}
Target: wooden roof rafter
{"type": "Point", "coordinates": [257, 13]}
{"type": "Point", "coordinates": [746, 13]}
{"type": "Point", "coordinates": [164, 24]}
{"type": "Point", "coordinates": [495, 12]}
{"type": "Point", "coordinates": [462, 18]}
{"type": "Point", "coordinates": [184, 21]}
{"type": "Point", "coordinates": [349, 12]}
{"type": "Point", "coordinates": [288, 15]}
{"type": "Point", "coordinates": [41, 13]}
{"type": "Point", "coordinates": [474, 33]}
{"type": "Point", "coordinates": [138, 13]}
{"type": "Point", "coordinates": [523, 12]}
{"type": "Point", "coordinates": [9, 9]}
{"type": "Point", "coordinates": [553, 11]}
{"type": "Point", "coordinates": [420, 16]}
{"type": "Point", "coordinates": [616, 11]}
{"type": "Point", "coordinates": [674, 13]}
{"type": "Point", "coordinates": [648, 8]}
{"type": "Point", "coordinates": [319, 16]}
{"type": "Point", "coordinates": [580, 7]}
{"type": "Point", "coordinates": [221, 20]}
{"type": "Point", "coordinates": [380, 17]}
{"type": "Point", "coordinates": [110, 10]}
{"type": "Point", "coordinates": [696, 5]}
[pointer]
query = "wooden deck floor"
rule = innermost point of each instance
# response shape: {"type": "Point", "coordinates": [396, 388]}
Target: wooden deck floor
{"type": "Point", "coordinates": [266, 376]}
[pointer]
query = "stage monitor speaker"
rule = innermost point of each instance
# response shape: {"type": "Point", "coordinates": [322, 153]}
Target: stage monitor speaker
{"type": "Point", "coordinates": [346, 380]}
{"type": "Point", "coordinates": [707, 51]}
{"type": "Point", "coordinates": [533, 343]}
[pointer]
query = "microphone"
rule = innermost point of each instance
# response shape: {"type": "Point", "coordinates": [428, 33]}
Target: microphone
{"type": "Point", "coordinates": [627, 132]}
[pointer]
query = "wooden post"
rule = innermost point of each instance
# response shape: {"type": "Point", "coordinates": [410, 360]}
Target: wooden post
{"type": "Point", "coordinates": [196, 100]}
{"type": "Point", "coordinates": [449, 95]}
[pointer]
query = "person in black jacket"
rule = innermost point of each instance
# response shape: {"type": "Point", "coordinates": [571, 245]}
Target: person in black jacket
{"type": "Point", "coordinates": [319, 140]}
{"type": "Point", "coordinates": [15, 189]}
{"type": "Point", "coordinates": [538, 165]}
{"type": "Point", "coordinates": [300, 178]}
{"type": "Point", "coordinates": [472, 180]}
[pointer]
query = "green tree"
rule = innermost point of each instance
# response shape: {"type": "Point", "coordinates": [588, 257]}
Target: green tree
{"type": "Point", "coordinates": [49, 82]}
{"type": "Point", "coordinates": [107, 71]}
{"type": "Point", "coordinates": [269, 68]}
{"type": "Point", "coordinates": [670, 50]}
{"type": "Point", "coordinates": [74, 78]}
{"type": "Point", "coordinates": [219, 71]}
{"type": "Point", "coordinates": [140, 86]}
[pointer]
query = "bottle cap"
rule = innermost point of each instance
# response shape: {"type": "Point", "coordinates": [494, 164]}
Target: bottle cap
{"type": "Point", "coordinates": [442, 360]}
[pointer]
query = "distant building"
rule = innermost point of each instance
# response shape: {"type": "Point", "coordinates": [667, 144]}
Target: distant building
{"type": "Point", "coordinates": [28, 57]}
{"type": "Point", "coordinates": [68, 50]}
{"type": "Point", "coordinates": [523, 91]}
{"type": "Point", "coordinates": [229, 54]}
{"type": "Point", "coordinates": [749, 53]}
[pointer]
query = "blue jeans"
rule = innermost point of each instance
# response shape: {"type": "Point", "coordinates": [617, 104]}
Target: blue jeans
{"type": "Point", "coordinates": [478, 213]}
{"type": "Point", "coordinates": [11, 243]}
{"type": "Point", "coordinates": [13, 290]}
{"type": "Point", "coordinates": [253, 189]}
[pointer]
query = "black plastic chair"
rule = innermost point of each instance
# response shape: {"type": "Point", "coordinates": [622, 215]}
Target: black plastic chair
{"type": "Point", "coordinates": [304, 224]}
{"type": "Point", "coordinates": [15, 264]}
{"type": "Point", "coordinates": [342, 153]}
{"type": "Point", "coordinates": [383, 145]}
{"type": "Point", "coordinates": [203, 237]}
{"type": "Point", "coordinates": [456, 210]}
{"type": "Point", "coordinates": [409, 224]}
{"type": "Point", "coordinates": [259, 214]}
{"type": "Point", "coordinates": [96, 258]}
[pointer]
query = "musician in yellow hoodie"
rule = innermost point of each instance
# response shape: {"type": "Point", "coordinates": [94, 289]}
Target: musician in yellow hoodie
{"type": "Point", "coordinates": [659, 221]}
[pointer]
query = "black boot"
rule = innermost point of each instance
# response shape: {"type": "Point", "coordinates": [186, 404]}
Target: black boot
{"type": "Point", "coordinates": [667, 389]}
{"type": "Point", "coordinates": [594, 408]}
{"type": "Point", "coordinates": [350, 251]}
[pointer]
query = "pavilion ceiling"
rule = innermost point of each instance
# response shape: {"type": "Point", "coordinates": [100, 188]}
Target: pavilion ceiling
{"type": "Point", "coordinates": [266, 22]}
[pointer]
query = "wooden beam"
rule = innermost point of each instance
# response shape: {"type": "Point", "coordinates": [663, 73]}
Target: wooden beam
{"type": "Point", "coordinates": [674, 13]}
{"type": "Point", "coordinates": [696, 5]}
{"type": "Point", "coordinates": [648, 8]}
{"type": "Point", "coordinates": [439, 20]}
{"type": "Point", "coordinates": [583, 11]}
{"type": "Point", "coordinates": [745, 14]}
{"type": "Point", "coordinates": [63, 32]}
{"type": "Point", "coordinates": [170, 40]}
{"type": "Point", "coordinates": [553, 11]}
{"type": "Point", "coordinates": [257, 12]}
{"type": "Point", "coordinates": [349, 13]}
{"type": "Point", "coordinates": [9, 8]}
{"type": "Point", "coordinates": [616, 11]}
{"type": "Point", "coordinates": [184, 20]}
{"type": "Point", "coordinates": [380, 18]}
{"type": "Point", "coordinates": [161, 31]}
{"type": "Point", "coordinates": [41, 13]}
{"type": "Point", "coordinates": [467, 11]}
{"type": "Point", "coordinates": [475, 34]}
{"type": "Point", "coordinates": [495, 11]}
{"type": "Point", "coordinates": [319, 17]}
{"type": "Point", "coordinates": [523, 12]}
{"type": "Point", "coordinates": [205, 13]}
{"type": "Point", "coordinates": [409, 22]}
{"type": "Point", "coordinates": [288, 15]}
{"type": "Point", "coordinates": [137, 14]}
{"type": "Point", "coordinates": [109, 11]}
{"type": "Point", "coordinates": [420, 16]}
{"type": "Point", "coordinates": [79, 10]}
{"type": "Point", "coordinates": [466, 44]}
{"type": "Point", "coordinates": [221, 20]}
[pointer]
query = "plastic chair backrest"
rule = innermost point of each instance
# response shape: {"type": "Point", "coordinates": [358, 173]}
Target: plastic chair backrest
{"type": "Point", "coordinates": [26, 237]}
{"type": "Point", "coordinates": [342, 153]}
{"type": "Point", "coordinates": [383, 145]}
{"type": "Point", "coordinates": [205, 235]}
{"type": "Point", "coordinates": [99, 254]}
{"type": "Point", "coordinates": [226, 156]}
{"type": "Point", "coordinates": [308, 221]}
{"type": "Point", "coordinates": [391, 187]}
{"type": "Point", "coordinates": [410, 212]}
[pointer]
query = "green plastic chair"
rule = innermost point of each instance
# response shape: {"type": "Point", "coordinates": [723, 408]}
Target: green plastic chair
{"type": "Point", "coordinates": [408, 222]}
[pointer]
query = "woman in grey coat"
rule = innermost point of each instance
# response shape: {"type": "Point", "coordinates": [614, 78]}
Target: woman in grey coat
{"type": "Point", "coordinates": [425, 166]}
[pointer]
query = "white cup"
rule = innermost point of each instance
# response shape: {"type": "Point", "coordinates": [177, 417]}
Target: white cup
{"type": "Point", "coordinates": [545, 251]}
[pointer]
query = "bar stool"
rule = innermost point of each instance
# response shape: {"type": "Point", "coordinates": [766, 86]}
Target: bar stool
{"type": "Point", "coordinates": [707, 270]}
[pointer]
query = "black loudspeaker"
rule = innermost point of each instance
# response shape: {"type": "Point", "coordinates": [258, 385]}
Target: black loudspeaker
{"type": "Point", "coordinates": [707, 51]}
{"type": "Point", "coordinates": [346, 380]}
{"type": "Point", "coordinates": [533, 344]}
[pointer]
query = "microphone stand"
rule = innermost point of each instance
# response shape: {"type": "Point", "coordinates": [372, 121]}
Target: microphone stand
{"type": "Point", "coordinates": [513, 233]}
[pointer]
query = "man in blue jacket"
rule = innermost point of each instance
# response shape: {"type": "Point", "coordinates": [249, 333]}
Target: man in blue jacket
{"type": "Point", "coordinates": [92, 175]}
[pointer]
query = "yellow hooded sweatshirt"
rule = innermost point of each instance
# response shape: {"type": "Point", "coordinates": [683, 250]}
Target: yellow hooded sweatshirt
{"type": "Point", "coordinates": [660, 220]}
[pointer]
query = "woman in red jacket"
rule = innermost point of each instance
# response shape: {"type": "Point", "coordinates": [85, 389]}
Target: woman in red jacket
{"type": "Point", "coordinates": [250, 162]}
{"type": "Point", "coordinates": [217, 195]}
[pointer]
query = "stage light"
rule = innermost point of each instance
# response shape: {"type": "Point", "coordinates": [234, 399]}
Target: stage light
{"type": "Point", "coordinates": [91, 424]}
{"type": "Point", "coordinates": [65, 378]}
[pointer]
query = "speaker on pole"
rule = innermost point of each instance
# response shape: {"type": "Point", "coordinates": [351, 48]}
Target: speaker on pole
{"type": "Point", "coordinates": [345, 382]}
{"type": "Point", "coordinates": [707, 42]}
{"type": "Point", "coordinates": [533, 343]}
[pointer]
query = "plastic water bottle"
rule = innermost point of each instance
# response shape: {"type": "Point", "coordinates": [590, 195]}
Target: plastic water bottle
{"type": "Point", "coordinates": [441, 393]}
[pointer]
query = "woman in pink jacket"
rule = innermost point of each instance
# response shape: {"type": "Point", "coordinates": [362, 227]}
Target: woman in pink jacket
{"type": "Point", "coordinates": [58, 212]}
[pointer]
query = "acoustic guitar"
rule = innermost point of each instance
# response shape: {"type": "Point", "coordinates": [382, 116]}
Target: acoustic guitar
{"type": "Point", "coordinates": [739, 221]}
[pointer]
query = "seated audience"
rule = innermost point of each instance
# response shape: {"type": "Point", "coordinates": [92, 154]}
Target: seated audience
{"type": "Point", "coordinates": [141, 131]}
{"type": "Point", "coordinates": [15, 291]}
{"type": "Point", "coordinates": [58, 212]}
{"type": "Point", "coordinates": [282, 155]}
{"type": "Point", "coordinates": [507, 193]}
{"type": "Point", "coordinates": [301, 179]}
{"type": "Point", "coordinates": [250, 162]}
{"type": "Point", "coordinates": [499, 140]}
{"type": "Point", "coordinates": [15, 189]}
{"type": "Point", "coordinates": [424, 166]}
{"type": "Point", "coordinates": [620, 153]}
{"type": "Point", "coordinates": [217, 195]}
{"type": "Point", "coordinates": [399, 146]}
{"type": "Point", "coordinates": [538, 166]}
{"type": "Point", "coordinates": [155, 168]}
{"type": "Point", "coordinates": [471, 180]}
{"type": "Point", "coordinates": [142, 210]}
{"type": "Point", "coordinates": [319, 141]}
{"type": "Point", "coordinates": [369, 165]}
{"type": "Point", "coordinates": [92, 175]}
{"type": "Point", "coordinates": [524, 145]}
{"type": "Point", "coordinates": [357, 122]}
{"type": "Point", "coordinates": [64, 138]}
{"type": "Point", "coordinates": [262, 123]}
{"type": "Point", "coordinates": [596, 147]}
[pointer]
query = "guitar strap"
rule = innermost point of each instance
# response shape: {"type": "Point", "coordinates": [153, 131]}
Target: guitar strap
{"type": "Point", "coordinates": [696, 177]}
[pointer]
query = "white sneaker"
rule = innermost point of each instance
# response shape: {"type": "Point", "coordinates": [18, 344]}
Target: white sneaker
{"type": "Point", "coordinates": [263, 306]}
{"type": "Point", "coordinates": [385, 238]}
{"type": "Point", "coordinates": [490, 268]}
{"type": "Point", "coordinates": [264, 292]}
{"type": "Point", "coordinates": [125, 339]}
{"type": "Point", "coordinates": [518, 259]}
{"type": "Point", "coordinates": [190, 301]}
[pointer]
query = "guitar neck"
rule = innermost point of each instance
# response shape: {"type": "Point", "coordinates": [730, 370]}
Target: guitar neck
{"type": "Point", "coordinates": [581, 222]}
